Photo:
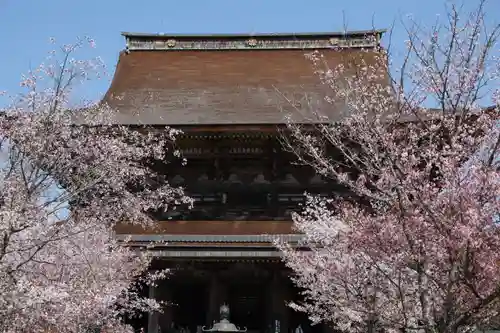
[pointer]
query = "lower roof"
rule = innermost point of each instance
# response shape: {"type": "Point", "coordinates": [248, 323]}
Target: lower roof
{"type": "Point", "coordinates": [208, 228]}
{"type": "Point", "coordinates": [265, 238]}
{"type": "Point", "coordinates": [217, 254]}
{"type": "Point", "coordinates": [212, 246]}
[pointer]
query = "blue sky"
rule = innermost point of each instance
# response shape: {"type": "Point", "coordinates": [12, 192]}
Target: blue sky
{"type": "Point", "coordinates": [28, 25]}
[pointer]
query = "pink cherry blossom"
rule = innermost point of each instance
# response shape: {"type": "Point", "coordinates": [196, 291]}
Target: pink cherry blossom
{"type": "Point", "coordinates": [67, 177]}
{"type": "Point", "coordinates": [412, 244]}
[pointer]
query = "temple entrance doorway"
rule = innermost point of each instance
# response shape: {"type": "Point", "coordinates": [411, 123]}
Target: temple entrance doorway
{"type": "Point", "coordinates": [247, 302]}
{"type": "Point", "coordinates": [257, 294]}
{"type": "Point", "coordinates": [189, 311]}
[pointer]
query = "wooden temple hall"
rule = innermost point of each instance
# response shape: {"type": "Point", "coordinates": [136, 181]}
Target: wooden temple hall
{"type": "Point", "coordinates": [230, 95]}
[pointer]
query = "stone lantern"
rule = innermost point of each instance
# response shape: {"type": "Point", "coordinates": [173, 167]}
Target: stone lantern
{"type": "Point", "coordinates": [224, 325]}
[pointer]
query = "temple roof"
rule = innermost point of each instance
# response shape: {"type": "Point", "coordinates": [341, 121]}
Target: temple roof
{"type": "Point", "coordinates": [165, 79]}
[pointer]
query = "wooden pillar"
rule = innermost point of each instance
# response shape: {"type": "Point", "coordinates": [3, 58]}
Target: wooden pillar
{"type": "Point", "coordinates": [213, 300]}
{"type": "Point", "coordinates": [165, 295]}
{"type": "Point", "coordinates": [269, 300]}
{"type": "Point", "coordinates": [285, 298]}
{"type": "Point", "coordinates": [152, 316]}
{"type": "Point", "coordinates": [280, 311]}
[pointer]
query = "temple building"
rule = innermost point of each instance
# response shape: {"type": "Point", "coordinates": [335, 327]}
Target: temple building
{"type": "Point", "coordinates": [231, 96]}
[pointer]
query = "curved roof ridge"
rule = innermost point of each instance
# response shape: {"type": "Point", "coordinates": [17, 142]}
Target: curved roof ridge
{"type": "Point", "coordinates": [252, 41]}
{"type": "Point", "coordinates": [265, 34]}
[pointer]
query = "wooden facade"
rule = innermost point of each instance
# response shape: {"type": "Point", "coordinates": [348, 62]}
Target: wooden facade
{"type": "Point", "coordinates": [230, 95]}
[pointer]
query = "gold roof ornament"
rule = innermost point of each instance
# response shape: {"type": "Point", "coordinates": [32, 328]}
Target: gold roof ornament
{"type": "Point", "coordinates": [252, 42]}
{"type": "Point", "coordinates": [334, 41]}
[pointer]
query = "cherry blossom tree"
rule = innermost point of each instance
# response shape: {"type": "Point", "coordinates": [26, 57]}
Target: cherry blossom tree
{"type": "Point", "coordinates": [412, 244]}
{"type": "Point", "coordinates": [67, 177]}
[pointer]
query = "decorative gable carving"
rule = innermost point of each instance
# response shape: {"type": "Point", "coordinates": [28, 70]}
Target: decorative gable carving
{"type": "Point", "coordinates": [289, 180]}
{"type": "Point", "coordinates": [260, 179]}
{"type": "Point", "coordinates": [203, 178]}
{"type": "Point", "coordinates": [233, 179]}
{"type": "Point", "coordinates": [177, 180]}
{"type": "Point", "coordinates": [316, 180]}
